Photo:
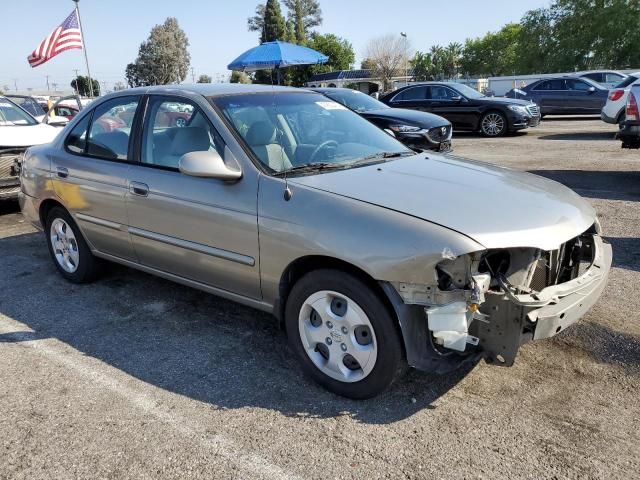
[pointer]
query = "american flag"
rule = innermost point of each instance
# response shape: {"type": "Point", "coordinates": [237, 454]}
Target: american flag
{"type": "Point", "coordinates": [65, 37]}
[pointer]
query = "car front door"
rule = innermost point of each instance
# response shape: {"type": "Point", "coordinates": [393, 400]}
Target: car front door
{"type": "Point", "coordinates": [200, 229]}
{"type": "Point", "coordinates": [450, 104]}
{"type": "Point", "coordinates": [583, 98]}
{"type": "Point", "coordinates": [90, 177]}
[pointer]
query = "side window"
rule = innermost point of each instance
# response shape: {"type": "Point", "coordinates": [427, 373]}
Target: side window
{"type": "Point", "coordinates": [415, 93]}
{"type": "Point", "coordinates": [613, 78]}
{"type": "Point", "coordinates": [577, 85]}
{"type": "Point", "coordinates": [596, 77]}
{"type": "Point", "coordinates": [111, 128]}
{"type": "Point", "coordinates": [76, 141]}
{"type": "Point", "coordinates": [173, 128]}
{"type": "Point", "coordinates": [541, 86]}
{"type": "Point", "coordinates": [439, 92]}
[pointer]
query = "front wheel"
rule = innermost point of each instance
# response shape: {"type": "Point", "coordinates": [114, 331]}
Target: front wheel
{"type": "Point", "coordinates": [493, 124]}
{"type": "Point", "coordinates": [343, 334]}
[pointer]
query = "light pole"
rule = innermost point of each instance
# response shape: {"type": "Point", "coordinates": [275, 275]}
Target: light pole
{"type": "Point", "coordinates": [406, 58]}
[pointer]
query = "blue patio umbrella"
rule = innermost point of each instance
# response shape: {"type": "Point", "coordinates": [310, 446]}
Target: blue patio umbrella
{"type": "Point", "coordinates": [276, 55]}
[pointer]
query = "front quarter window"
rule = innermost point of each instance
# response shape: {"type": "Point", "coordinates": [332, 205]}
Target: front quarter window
{"type": "Point", "coordinates": [293, 130]}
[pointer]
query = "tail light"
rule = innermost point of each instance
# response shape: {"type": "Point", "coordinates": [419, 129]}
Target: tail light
{"type": "Point", "coordinates": [632, 108]}
{"type": "Point", "coordinates": [615, 95]}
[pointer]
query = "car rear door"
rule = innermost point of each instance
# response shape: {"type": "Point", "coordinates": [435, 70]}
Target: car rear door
{"type": "Point", "coordinates": [90, 177]}
{"type": "Point", "coordinates": [200, 229]}
{"type": "Point", "coordinates": [550, 95]}
{"type": "Point", "coordinates": [414, 98]}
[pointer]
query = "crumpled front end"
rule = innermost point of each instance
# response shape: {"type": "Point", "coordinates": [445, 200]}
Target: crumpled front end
{"type": "Point", "coordinates": [490, 302]}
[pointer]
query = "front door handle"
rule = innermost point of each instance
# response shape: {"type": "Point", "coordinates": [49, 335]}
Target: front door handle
{"type": "Point", "coordinates": [62, 172]}
{"type": "Point", "coordinates": [139, 188]}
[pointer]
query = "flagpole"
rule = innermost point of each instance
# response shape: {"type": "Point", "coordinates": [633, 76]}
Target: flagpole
{"type": "Point", "coordinates": [84, 47]}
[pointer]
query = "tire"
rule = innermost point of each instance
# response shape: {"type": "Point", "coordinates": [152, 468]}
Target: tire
{"type": "Point", "coordinates": [323, 342]}
{"type": "Point", "coordinates": [69, 251]}
{"type": "Point", "coordinates": [493, 124]}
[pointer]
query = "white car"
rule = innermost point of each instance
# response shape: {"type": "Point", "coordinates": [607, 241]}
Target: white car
{"type": "Point", "coordinates": [18, 131]}
{"type": "Point", "coordinates": [613, 110]}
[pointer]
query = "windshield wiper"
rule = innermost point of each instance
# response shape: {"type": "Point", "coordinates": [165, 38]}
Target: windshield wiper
{"type": "Point", "coordinates": [311, 167]}
{"type": "Point", "coordinates": [383, 155]}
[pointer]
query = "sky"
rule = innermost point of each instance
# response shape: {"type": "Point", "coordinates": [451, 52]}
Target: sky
{"type": "Point", "coordinates": [217, 31]}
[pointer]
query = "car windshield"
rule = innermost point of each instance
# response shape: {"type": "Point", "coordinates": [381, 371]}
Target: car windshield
{"type": "Point", "coordinates": [467, 91]}
{"type": "Point", "coordinates": [28, 104]}
{"type": "Point", "coordinates": [355, 100]}
{"type": "Point", "coordinates": [296, 131]}
{"type": "Point", "coordinates": [12, 115]}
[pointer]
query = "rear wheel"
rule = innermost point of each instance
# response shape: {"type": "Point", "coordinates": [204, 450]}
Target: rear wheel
{"type": "Point", "coordinates": [343, 335]}
{"type": "Point", "coordinates": [493, 124]}
{"type": "Point", "coordinates": [69, 251]}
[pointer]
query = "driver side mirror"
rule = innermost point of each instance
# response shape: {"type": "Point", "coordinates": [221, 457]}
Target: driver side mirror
{"type": "Point", "coordinates": [209, 164]}
{"type": "Point", "coordinates": [591, 89]}
{"type": "Point", "coordinates": [457, 98]}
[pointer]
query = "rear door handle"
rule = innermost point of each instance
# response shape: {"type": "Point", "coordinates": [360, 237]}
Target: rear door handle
{"type": "Point", "coordinates": [139, 188]}
{"type": "Point", "coordinates": [62, 172]}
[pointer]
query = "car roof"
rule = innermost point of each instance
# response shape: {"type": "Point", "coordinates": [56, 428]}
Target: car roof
{"type": "Point", "coordinates": [334, 89]}
{"type": "Point", "coordinates": [208, 89]}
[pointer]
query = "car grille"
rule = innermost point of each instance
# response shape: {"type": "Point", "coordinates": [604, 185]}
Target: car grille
{"type": "Point", "coordinates": [9, 158]}
{"type": "Point", "coordinates": [439, 134]}
{"type": "Point", "coordinates": [534, 110]}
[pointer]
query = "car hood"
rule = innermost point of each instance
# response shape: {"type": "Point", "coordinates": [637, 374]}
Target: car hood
{"type": "Point", "coordinates": [408, 117]}
{"type": "Point", "coordinates": [26, 135]}
{"type": "Point", "coordinates": [494, 206]}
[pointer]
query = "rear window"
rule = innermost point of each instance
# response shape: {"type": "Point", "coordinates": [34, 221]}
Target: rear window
{"type": "Point", "coordinates": [627, 81]}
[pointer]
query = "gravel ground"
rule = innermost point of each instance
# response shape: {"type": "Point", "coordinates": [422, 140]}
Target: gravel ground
{"type": "Point", "coordinates": [136, 377]}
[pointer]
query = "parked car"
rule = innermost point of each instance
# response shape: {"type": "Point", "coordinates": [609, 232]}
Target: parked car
{"type": "Point", "coordinates": [630, 126]}
{"type": "Point", "coordinates": [415, 129]}
{"type": "Point", "coordinates": [373, 256]}
{"type": "Point", "coordinates": [18, 131]}
{"type": "Point", "coordinates": [613, 110]}
{"type": "Point", "coordinates": [606, 78]}
{"type": "Point", "coordinates": [466, 108]}
{"type": "Point", "coordinates": [569, 95]}
{"type": "Point", "coordinates": [27, 103]}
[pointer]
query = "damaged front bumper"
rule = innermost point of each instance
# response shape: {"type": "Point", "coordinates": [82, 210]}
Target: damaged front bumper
{"type": "Point", "coordinates": [442, 327]}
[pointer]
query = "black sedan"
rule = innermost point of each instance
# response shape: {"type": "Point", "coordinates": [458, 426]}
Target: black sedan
{"type": "Point", "coordinates": [569, 95]}
{"type": "Point", "coordinates": [415, 129]}
{"type": "Point", "coordinates": [466, 108]}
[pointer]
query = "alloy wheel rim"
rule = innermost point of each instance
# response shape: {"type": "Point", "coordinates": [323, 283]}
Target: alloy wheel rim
{"type": "Point", "coordinates": [337, 336]}
{"type": "Point", "coordinates": [492, 124]}
{"type": "Point", "coordinates": [64, 245]}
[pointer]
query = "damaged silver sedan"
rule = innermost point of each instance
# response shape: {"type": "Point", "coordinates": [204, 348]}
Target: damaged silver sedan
{"type": "Point", "coordinates": [371, 255]}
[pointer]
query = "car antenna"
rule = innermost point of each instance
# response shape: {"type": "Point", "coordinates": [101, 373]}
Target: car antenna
{"type": "Point", "coordinates": [287, 191]}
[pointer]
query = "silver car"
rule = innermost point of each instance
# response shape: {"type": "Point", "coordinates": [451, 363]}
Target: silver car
{"type": "Point", "coordinates": [373, 256]}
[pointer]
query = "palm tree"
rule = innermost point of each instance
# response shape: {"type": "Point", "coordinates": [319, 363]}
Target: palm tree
{"type": "Point", "coordinates": [453, 53]}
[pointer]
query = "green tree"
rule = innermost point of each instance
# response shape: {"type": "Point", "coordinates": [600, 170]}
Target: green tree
{"type": "Point", "coordinates": [339, 50]}
{"type": "Point", "coordinates": [81, 85]}
{"type": "Point", "coordinates": [494, 54]}
{"type": "Point", "coordinates": [367, 64]}
{"type": "Point", "coordinates": [274, 27]}
{"type": "Point", "coordinates": [423, 68]}
{"type": "Point", "coordinates": [255, 23]}
{"type": "Point", "coordinates": [239, 77]}
{"type": "Point", "coordinates": [163, 58]}
{"type": "Point", "coordinates": [204, 79]}
{"type": "Point", "coordinates": [305, 14]}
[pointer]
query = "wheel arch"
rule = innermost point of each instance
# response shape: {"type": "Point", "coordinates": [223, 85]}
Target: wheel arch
{"type": "Point", "coordinates": [303, 265]}
{"type": "Point", "coordinates": [45, 207]}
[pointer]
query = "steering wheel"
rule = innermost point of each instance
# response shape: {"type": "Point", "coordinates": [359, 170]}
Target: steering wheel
{"type": "Point", "coordinates": [322, 146]}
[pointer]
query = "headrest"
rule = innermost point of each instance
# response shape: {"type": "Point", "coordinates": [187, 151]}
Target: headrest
{"type": "Point", "coordinates": [190, 139]}
{"type": "Point", "coordinates": [261, 133]}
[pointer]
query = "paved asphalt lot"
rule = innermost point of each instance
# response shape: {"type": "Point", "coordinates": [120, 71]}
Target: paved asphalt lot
{"type": "Point", "coordinates": [136, 377]}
